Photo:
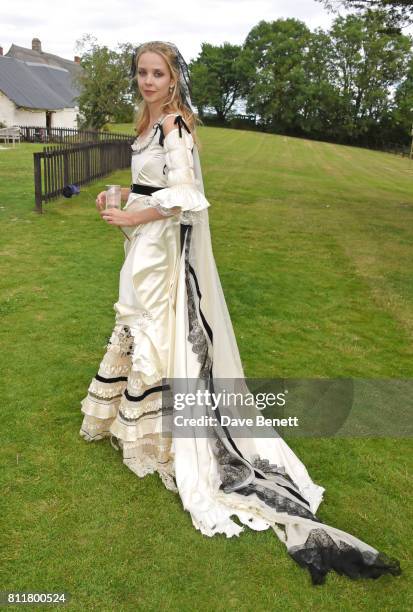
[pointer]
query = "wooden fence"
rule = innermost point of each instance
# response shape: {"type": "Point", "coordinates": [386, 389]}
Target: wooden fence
{"type": "Point", "coordinates": [56, 167]}
{"type": "Point", "coordinates": [66, 135]}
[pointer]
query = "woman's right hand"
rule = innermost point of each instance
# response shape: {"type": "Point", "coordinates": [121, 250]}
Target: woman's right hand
{"type": "Point", "coordinates": [101, 200]}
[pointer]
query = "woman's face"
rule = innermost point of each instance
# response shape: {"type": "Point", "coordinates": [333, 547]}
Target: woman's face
{"type": "Point", "coordinates": [153, 76]}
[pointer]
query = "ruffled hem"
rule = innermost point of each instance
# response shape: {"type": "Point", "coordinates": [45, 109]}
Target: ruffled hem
{"type": "Point", "coordinates": [142, 464]}
{"type": "Point", "coordinates": [129, 409]}
{"type": "Point", "coordinates": [146, 361]}
{"type": "Point", "coordinates": [94, 429]}
{"type": "Point", "coordinates": [314, 494]}
{"type": "Point", "coordinates": [218, 520]}
{"type": "Point", "coordinates": [184, 195]}
{"type": "Point", "coordinates": [131, 432]}
{"type": "Point", "coordinates": [156, 458]}
{"type": "Point", "coordinates": [251, 511]}
{"type": "Point", "coordinates": [99, 408]}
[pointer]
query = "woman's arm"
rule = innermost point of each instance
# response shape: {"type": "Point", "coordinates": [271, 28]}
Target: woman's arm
{"type": "Point", "coordinates": [115, 216]}
{"type": "Point", "coordinates": [125, 192]}
{"type": "Point", "coordinates": [182, 192]}
{"type": "Point", "coordinates": [180, 195]}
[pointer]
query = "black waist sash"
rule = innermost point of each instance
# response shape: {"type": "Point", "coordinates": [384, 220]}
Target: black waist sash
{"type": "Point", "coordinates": [144, 189]}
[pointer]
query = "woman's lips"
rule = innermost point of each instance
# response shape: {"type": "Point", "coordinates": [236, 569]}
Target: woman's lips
{"type": "Point", "coordinates": [148, 91]}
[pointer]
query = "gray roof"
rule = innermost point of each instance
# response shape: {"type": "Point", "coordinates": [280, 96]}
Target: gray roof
{"type": "Point", "coordinates": [41, 57]}
{"type": "Point", "coordinates": [39, 85]}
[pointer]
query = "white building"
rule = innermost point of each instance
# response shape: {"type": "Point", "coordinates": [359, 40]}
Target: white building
{"type": "Point", "coordinates": [38, 88]}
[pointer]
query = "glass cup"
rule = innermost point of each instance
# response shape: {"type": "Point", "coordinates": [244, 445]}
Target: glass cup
{"type": "Point", "coordinates": [113, 196]}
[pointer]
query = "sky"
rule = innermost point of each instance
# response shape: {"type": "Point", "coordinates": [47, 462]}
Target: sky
{"type": "Point", "coordinates": [187, 23]}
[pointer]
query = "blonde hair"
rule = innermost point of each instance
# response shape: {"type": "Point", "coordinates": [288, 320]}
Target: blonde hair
{"type": "Point", "coordinates": [174, 102]}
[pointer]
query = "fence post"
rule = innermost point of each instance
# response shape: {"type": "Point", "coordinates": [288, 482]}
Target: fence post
{"type": "Point", "coordinates": [65, 167]}
{"type": "Point", "coordinates": [37, 182]}
{"type": "Point", "coordinates": [87, 152]}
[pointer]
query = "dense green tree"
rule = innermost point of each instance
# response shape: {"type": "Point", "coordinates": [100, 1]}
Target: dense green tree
{"type": "Point", "coordinates": [397, 13]}
{"type": "Point", "coordinates": [368, 63]}
{"type": "Point", "coordinates": [319, 114]}
{"type": "Point", "coordinates": [279, 52]}
{"type": "Point", "coordinates": [403, 112]}
{"type": "Point", "coordinates": [220, 76]}
{"type": "Point", "coordinates": [337, 85]}
{"type": "Point", "coordinates": [106, 93]}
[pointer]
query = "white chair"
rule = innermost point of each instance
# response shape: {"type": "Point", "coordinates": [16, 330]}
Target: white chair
{"type": "Point", "coordinates": [11, 133]}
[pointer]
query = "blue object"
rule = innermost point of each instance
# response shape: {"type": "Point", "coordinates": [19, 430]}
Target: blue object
{"type": "Point", "coordinates": [70, 190]}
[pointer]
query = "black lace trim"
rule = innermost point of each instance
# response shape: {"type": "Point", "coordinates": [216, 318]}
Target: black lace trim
{"type": "Point", "coordinates": [320, 554]}
{"type": "Point", "coordinates": [271, 469]}
{"type": "Point", "coordinates": [233, 471]}
{"type": "Point", "coordinates": [196, 335]}
{"type": "Point", "coordinates": [125, 340]}
{"type": "Point", "coordinates": [277, 501]}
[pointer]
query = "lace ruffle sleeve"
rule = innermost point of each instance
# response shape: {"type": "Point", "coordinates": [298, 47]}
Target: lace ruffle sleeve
{"type": "Point", "coordinates": [182, 193]}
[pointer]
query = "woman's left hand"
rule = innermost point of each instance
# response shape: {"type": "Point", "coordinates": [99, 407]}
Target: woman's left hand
{"type": "Point", "coordinates": [115, 216]}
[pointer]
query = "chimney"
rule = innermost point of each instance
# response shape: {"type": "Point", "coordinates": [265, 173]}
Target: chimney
{"type": "Point", "coordinates": [1, 50]}
{"type": "Point", "coordinates": [36, 45]}
{"type": "Point", "coordinates": [77, 59]}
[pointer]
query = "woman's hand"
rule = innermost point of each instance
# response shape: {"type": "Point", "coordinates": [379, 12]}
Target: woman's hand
{"type": "Point", "coordinates": [115, 216]}
{"type": "Point", "coordinates": [101, 200]}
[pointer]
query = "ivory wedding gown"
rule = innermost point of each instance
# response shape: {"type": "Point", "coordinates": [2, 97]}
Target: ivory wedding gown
{"type": "Point", "coordinates": [172, 324]}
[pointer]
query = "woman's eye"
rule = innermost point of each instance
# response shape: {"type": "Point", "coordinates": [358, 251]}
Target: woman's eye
{"type": "Point", "coordinates": [158, 74]}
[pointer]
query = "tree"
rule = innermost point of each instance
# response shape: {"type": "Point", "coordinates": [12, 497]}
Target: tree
{"type": "Point", "coordinates": [105, 90]}
{"type": "Point", "coordinates": [337, 85]}
{"type": "Point", "coordinates": [319, 115]}
{"type": "Point", "coordinates": [403, 112]}
{"type": "Point", "coordinates": [398, 13]}
{"type": "Point", "coordinates": [278, 90]}
{"type": "Point", "coordinates": [368, 64]}
{"type": "Point", "coordinates": [219, 77]}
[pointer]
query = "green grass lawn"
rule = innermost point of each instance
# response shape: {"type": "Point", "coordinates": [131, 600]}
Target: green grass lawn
{"type": "Point", "coordinates": [313, 242]}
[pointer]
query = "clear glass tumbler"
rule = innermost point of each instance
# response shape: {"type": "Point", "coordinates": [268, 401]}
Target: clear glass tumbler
{"type": "Point", "coordinates": [113, 196]}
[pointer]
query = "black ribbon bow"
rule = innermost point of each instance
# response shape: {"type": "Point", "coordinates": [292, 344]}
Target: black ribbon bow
{"type": "Point", "coordinates": [178, 121]}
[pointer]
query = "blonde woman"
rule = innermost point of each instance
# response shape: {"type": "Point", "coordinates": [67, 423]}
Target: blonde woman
{"type": "Point", "coordinates": [173, 337]}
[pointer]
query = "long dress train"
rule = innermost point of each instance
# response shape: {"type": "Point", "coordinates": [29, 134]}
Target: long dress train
{"type": "Point", "coordinates": [173, 325]}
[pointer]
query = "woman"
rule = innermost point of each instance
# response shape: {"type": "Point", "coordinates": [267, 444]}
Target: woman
{"type": "Point", "coordinates": [173, 334]}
